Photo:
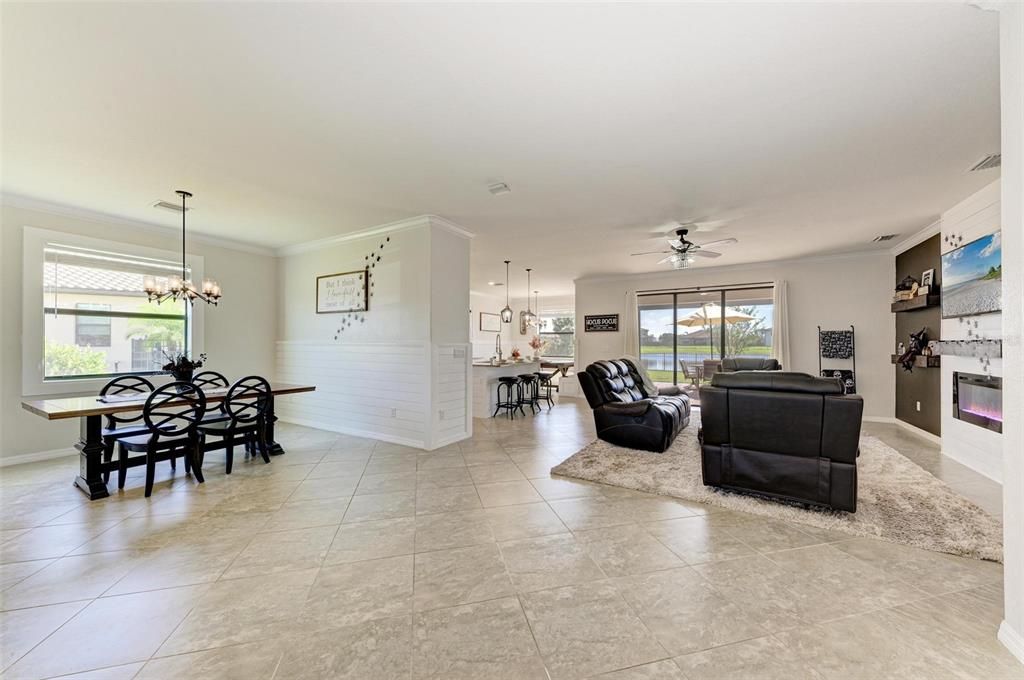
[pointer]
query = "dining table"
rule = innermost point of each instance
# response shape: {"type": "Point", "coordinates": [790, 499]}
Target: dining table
{"type": "Point", "coordinates": [90, 410]}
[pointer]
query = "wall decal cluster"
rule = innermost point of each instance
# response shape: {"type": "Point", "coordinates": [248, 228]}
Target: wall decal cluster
{"type": "Point", "coordinates": [370, 261]}
{"type": "Point", "coordinates": [954, 240]}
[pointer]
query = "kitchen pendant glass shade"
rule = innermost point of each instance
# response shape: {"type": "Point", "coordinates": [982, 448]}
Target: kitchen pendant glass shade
{"type": "Point", "coordinates": [506, 314]}
{"type": "Point", "coordinates": [529, 318]}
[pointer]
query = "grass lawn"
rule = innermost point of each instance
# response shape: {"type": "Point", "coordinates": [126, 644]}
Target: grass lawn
{"type": "Point", "coordinates": [703, 350]}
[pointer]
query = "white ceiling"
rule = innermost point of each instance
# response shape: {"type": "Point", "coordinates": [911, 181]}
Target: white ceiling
{"type": "Point", "coordinates": [814, 127]}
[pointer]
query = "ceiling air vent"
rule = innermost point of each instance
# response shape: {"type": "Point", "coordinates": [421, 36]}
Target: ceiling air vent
{"type": "Point", "coordinates": [884, 237]}
{"type": "Point", "coordinates": [164, 205]}
{"type": "Point", "coordinates": [499, 188]}
{"type": "Point", "coordinates": [993, 160]}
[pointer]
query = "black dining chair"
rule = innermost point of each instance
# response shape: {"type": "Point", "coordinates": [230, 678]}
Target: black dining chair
{"type": "Point", "coordinates": [212, 380]}
{"type": "Point", "coordinates": [120, 425]}
{"type": "Point", "coordinates": [246, 405]}
{"type": "Point", "coordinates": [172, 414]}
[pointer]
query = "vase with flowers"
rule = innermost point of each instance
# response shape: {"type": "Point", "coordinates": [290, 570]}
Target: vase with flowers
{"type": "Point", "coordinates": [181, 366]}
{"type": "Point", "coordinates": [516, 355]}
{"type": "Point", "coordinates": [536, 344]}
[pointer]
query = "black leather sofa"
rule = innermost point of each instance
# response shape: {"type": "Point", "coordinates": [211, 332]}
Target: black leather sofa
{"type": "Point", "coordinates": [733, 364]}
{"type": "Point", "coordinates": [626, 413]}
{"type": "Point", "coordinates": [787, 435]}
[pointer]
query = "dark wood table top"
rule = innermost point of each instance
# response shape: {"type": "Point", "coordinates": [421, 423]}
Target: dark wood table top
{"type": "Point", "coordinates": [80, 405]}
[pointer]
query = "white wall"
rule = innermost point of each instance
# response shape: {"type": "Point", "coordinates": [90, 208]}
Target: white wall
{"type": "Point", "coordinates": [1011, 58]}
{"type": "Point", "coordinates": [832, 292]}
{"type": "Point", "coordinates": [400, 371]}
{"type": "Point", "coordinates": [975, 447]}
{"type": "Point", "coordinates": [249, 280]}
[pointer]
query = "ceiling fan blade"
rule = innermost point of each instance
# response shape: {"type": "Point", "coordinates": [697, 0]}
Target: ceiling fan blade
{"type": "Point", "coordinates": [676, 243]}
{"type": "Point", "coordinates": [664, 259]}
{"type": "Point", "coordinates": [720, 242]}
{"type": "Point", "coordinates": [705, 253]}
{"type": "Point", "coordinates": [651, 252]}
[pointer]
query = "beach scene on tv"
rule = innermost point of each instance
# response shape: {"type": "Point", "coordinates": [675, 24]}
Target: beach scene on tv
{"type": "Point", "coordinates": [972, 278]}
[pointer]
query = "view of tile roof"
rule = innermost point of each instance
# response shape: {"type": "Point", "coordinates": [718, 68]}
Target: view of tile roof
{"type": "Point", "coordinates": [72, 277]}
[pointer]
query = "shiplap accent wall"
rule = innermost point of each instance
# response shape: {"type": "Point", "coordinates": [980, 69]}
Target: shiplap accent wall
{"type": "Point", "coordinates": [975, 447]}
{"type": "Point", "coordinates": [453, 419]}
{"type": "Point", "coordinates": [377, 390]}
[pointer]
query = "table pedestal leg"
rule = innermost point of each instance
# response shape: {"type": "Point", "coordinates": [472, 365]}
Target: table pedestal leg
{"type": "Point", "coordinates": [274, 448]}
{"type": "Point", "coordinates": [90, 448]}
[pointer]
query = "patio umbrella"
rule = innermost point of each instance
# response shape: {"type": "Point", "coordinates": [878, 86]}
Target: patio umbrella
{"type": "Point", "coordinates": [711, 313]}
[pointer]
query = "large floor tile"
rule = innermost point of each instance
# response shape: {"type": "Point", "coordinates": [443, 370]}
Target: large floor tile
{"type": "Point", "coordinates": [698, 539]}
{"type": "Point", "coordinates": [659, 670]}
{"type": "Point", "coordinates": [764, 658]}
{"type": "Point", "coordinates": [307, 514]}
{"type": "Point", "coordinates": [52, 541]}
{"type": "Point", "coordinates": [372, 540]}
{"type": "Point", "coordinates": [446, 499]}
{"type": "Point", "coordinates": [139, 623]}
{"type": "Point", "coordinates": [386, 482]}
{"type": "Point", "coordinates": [580, 514]}
{"type": "Point", "coordinates": [684, 612]}
{"type": "Point", "coordinates": [496, 472]}
{"type": "Point", "coordinates": [347, 594]}
{"type": "Point", "coordinates": [15, 572]}
{"type": "Point", "coordinates": [588, 629]}
{"type": "Point", "coordinates": [496, 494]}
{"type": "Point", "coordinates": [242, 610]}
{"type": "Point", "coordinates": [511, 522]}
{"type": "Point", "coordinates": [23, 629]}
{"type": "Point", "coordinates": [325, 487]}
{"type": "Point", "coordinates": [380, 506]}
{"type": "Point", "coordinates": [278, 551]}
{"type": "Point", "coordinates": [447, 578]}
{"type": "Point", "coordinates": [626, 549]}
{"type": "Point", "coordinates": [452, 530]}
{"type": "Point", "coordinates": [80, 577]}
{"type": "Point", "coordinates": [180, 566]}
{"type": "Point", "coordinates": [485, 640]}
{"type": "Point", "coordinates": [252, 661]}
{"type": "Point", "coordinates": [375, 650]}
{"type": "Point", "coordinates": [548, 562]}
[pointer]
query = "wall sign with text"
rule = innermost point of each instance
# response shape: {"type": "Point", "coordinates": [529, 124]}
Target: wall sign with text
{"type": "Point", "coordinates": [600, 323]}
{"type": "Point", "coordinates": [344, 292]}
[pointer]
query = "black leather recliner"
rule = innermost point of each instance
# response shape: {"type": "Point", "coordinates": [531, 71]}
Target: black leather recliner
{"type": "Point", "coordinates": [626, 414]}
{"type": "Point", "coordinates": [788, 435]}
{"type": "Point", "coordinates": [733, 364]}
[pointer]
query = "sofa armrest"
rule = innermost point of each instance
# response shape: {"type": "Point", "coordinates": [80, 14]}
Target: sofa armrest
{"type": "Point", "coordinates": [670, 391]}
{"type": "Point", "coordinates": [631, 408]}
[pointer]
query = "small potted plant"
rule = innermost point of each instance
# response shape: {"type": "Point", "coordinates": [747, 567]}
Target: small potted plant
{"type": "Point", "coordinates": [181, 366]}
{"type": "Point", "coordinates": [536, 344]}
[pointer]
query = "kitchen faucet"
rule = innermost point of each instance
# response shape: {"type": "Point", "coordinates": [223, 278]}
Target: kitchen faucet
{"type": "Point", "coordinates": [497, 346]}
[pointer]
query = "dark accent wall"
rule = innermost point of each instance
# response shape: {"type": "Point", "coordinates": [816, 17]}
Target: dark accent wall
{"type": "Point", "coordinates": [924, 384]}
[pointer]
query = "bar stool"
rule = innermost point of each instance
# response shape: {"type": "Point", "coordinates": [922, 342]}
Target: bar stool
{"type": "Point", "coordinates": [544, 387]}
{"type": "Point", "coordinates": [513, 395]}
{"type": "Point", "coordinates": [528, 392]}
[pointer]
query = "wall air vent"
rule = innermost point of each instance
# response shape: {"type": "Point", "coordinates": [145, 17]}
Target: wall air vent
{"type": "Point", "coordinates": [993, 160]}
{"type": "Point", "coordinates": [884, 237]}
{"type": "Point", "coordinates": [165, 205]}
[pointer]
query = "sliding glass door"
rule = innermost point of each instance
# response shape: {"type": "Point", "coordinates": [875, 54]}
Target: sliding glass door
{"type": "Point", "coordinates": [685, 334]}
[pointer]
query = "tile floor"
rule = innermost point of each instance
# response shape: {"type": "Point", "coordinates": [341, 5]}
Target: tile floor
{"type": "Point", "coordinates": [348, 558]}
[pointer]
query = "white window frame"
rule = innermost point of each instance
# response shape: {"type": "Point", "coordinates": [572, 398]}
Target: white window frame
{"type": "Point", "coordinates": [33, 382]}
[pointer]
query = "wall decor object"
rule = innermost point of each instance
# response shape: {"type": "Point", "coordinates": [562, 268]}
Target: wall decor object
{"type": "Point", "coordinates": [370, 262]}
{"type": "Point", "coordinates": [490, 323]}
{"type": "Point", "coordinates": [972, 278]}
{"type": "Point", "coordinates": [928, 278]}
{"type": "Point", "coordinates": [838, 345]}
{"type": "Point", "coordinates": [343, 292]}
{"type": "Point", "coordinates": [600, 323]}
{"type": "Point", "coordinates": [918, 343]}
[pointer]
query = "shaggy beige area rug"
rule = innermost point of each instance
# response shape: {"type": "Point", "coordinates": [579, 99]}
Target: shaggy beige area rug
{"type": "Point", "coordinates": [897, 500]}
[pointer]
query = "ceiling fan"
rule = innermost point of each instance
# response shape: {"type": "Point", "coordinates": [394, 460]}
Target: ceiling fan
{"type": "Point", "coordinates": [683, 252]}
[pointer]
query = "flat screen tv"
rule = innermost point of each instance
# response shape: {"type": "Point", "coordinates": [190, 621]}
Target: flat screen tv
{"type": "Point", "coordinates": [972, 278]}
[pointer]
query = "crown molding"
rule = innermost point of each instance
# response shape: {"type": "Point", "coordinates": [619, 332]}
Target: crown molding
{"type": "Point", "coordinates": [856, 254]}
{"type": "Point", "coordinates": [918, 237]}
{"type": "Point", "coordinates": [389, 228]}
{"type": "Point", "coordinates": [26, 203]}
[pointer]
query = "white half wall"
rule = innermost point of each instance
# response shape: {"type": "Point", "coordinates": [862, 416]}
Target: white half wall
{"type": "Point", "coordinates": [832, 292]}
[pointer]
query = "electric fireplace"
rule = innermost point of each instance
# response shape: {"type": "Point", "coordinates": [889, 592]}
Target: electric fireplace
{"type": "Point", "coordinates": [978, 399]}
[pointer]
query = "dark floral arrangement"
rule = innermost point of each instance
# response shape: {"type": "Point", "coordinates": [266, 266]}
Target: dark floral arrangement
{"type": "Point", "coordinates": [181, 366]}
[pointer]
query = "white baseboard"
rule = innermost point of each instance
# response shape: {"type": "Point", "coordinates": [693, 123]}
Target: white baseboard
{"type": "Point", "coordinates": [355, 432]}
{"type": "Point", "coordinates": [1012, 640]}
{"type": "Point", "coordinates": [923, 434]}
{"type": "Point", "coordinates": [878, 419]}
{"type": "Point", "coordinates": [37, 456]}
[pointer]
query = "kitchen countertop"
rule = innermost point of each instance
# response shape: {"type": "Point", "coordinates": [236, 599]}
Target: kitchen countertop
{"type": "Point", "coordinates": [486, 364]}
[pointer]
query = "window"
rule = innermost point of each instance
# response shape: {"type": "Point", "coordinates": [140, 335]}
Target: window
{"type": "Point", "coordinates": [98, 321]}
{"type": "Point", "coordinates": [92, 330]}
{"type": "Point", "coordinates": [685, 334]}
{"type": "Point", "coordinates": [558, 333]}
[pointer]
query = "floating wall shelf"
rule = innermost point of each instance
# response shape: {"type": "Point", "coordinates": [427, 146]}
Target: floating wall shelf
{"type": "Point", "coordinates": [920, 361]}
{"type": "Point", "coordinates": [920, 302]}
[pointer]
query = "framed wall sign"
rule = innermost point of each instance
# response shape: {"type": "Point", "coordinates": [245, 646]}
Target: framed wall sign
{"type": "Point", "coordinates": [344, 292]}
{"type": "Point", "coordinates": [593, 323]}
{"type": "Point", "coordinates": [490, 323]}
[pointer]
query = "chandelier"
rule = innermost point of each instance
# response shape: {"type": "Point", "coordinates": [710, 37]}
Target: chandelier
{"type": "Point", "coordinates": [528, 316]}
{"type": "Point", "coordinates": [181, 288]}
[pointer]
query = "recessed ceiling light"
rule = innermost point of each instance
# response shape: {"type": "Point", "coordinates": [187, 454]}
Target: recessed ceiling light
{"type": "Point", "coordinates": [495, 283]}
{"type": "Point", "coordinates": [499, 188]}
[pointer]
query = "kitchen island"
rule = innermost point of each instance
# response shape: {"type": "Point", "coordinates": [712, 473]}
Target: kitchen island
{"type": "Point", "coordinates": [485, 382]}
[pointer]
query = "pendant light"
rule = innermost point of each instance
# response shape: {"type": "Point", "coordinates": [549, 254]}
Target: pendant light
{"type": "Point", "coordinates": [183, 288]}
{"type": "Point", "coordinates": [529, 317]}
{"type": "Point", "coordinates": [506, 314]}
